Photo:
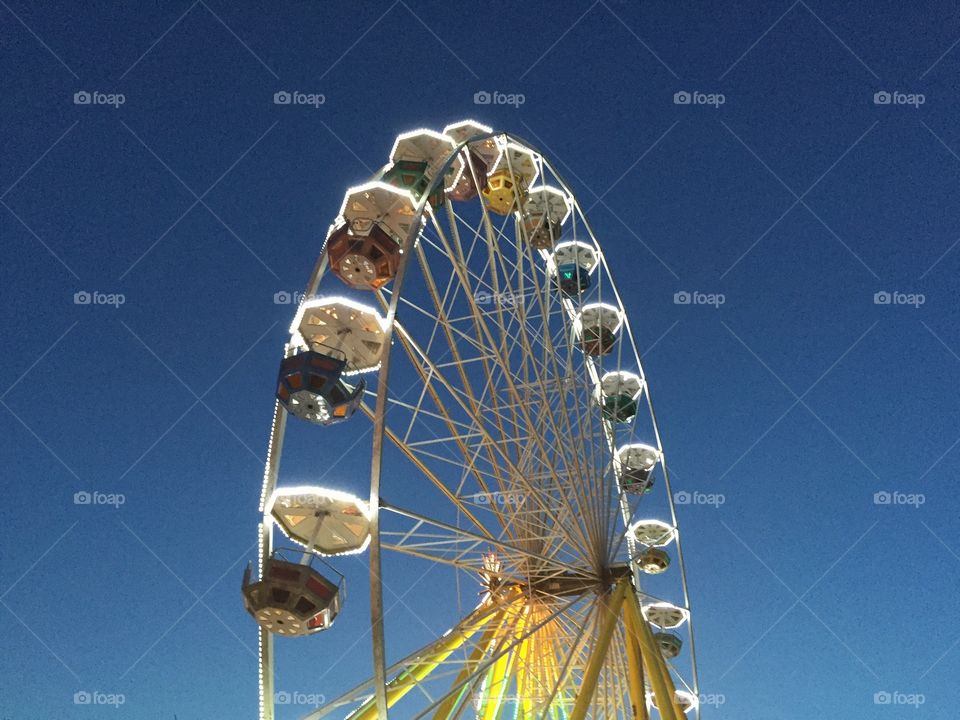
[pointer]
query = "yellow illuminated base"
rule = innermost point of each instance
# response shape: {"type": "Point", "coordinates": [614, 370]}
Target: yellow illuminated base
{"type": "Point", "coordinates": [522, 650]}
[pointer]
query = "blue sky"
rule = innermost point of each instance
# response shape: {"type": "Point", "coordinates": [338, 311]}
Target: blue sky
{"type": "Point", "coordinates": [803, 395]}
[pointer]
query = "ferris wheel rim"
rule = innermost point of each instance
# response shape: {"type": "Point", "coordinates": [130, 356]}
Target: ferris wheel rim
{"type": "Point", "coordinates": [425, 210]}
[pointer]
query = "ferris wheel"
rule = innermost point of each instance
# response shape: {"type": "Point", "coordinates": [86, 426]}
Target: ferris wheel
{"type": "Point", "coordinates": [514, 444]}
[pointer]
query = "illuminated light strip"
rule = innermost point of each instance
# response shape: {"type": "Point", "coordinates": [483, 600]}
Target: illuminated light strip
{"type": "Point", "coordinates": [433, 164]}
{"type": "Point", "coordinates": [322, 302]}
{"type": "Point", "coordinates": [442, 137]}
{"type": "Point", "coordinates": [484, 129]}
{"type": "Point", "coordinates": [375, 185]}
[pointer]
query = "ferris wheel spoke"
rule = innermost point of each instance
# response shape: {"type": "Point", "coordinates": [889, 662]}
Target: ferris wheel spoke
{"type": "Point", "coordinates": [548, 566]}
{"type": "Point", "coordinates": [547, 342]}
{"type": "Point", "coordinates": [430, 475]}
{"type": "Point", "coordinates": [571, 640]}
{"type": "Point", "coordinates": [529, 354]}
{"type": "Point", "coordinates": [454, 351]}
{"type": "Point", "coordinates": [561, 437]}
{"type": "Point", "coordinates": [478, 319]}
{"type": "Point", "coordinates": [517, 402]}
{"type": "Point", "coordinates": [502, 342]}
{"type": "Point", "coordinates": [492, 444]}
{"type": "Point", "coordinates": [428, 376]}
{"type": "Point", "coordinates": [479, 323]}
{"type": "Point", "coordinates": [498, 650]}
{"type": "Point", "coordinates": [450, 330]}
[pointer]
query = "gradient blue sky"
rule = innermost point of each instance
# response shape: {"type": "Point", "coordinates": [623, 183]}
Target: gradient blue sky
{"type": "Point", "coordinates": [198, 199]}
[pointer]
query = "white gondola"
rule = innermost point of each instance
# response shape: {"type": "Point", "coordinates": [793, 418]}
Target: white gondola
{"type": "Point", "coordinates": [342, 328]}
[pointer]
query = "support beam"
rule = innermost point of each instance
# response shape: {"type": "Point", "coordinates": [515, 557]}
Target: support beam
{"type": "Point", "coordinates": [421, 668]}
{"type": "Point", "coordinates": [377, 634]}
{"type": "Point", "coordinates": [598, 654]}
{"type": "Point", "coordinates": [638, 696]}
{"type": "Point", "coordinates": [664, 690]}
{"type": "Point", "coordinates": [463, 679]}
